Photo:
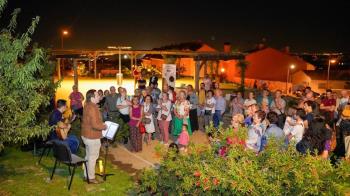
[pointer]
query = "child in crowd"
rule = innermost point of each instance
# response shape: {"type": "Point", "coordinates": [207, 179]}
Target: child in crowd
{"type": "Point", "coordinates": [184, 138]}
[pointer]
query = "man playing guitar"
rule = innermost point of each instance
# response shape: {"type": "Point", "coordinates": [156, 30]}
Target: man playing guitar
{"type": "Point", "coordinates": [62, 127]}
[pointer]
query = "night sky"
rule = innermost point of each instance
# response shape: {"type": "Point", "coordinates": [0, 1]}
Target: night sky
{"type": "Point", "coordinates": [305, 27]}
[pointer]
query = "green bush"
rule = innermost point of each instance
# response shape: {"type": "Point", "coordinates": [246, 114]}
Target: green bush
{"type": "Point", "coordinates": [227, 168]}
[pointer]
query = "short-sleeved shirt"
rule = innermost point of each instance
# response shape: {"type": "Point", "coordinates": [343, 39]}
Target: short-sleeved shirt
{"type": "Point", "coordinates": [255, 133]}
{"type": "Point", "coordinates": [309, 117]}
{"type": "Point", "coordinates": [111, 103]}
{"type": "Point", "coordinates": [328, 102]}
{"type": "Point", "coordinates": [123, 102]}
{"type": "Point", "coordinates": [193, 99]}
{"type": "Point", "coordinates": [76, 99]}
{"type": "Point", "coordinates": [210, 102]}
{"type": "Point", "coordinates": [298, 132]}
{"type": "Point", "coordinates": [220, 104]}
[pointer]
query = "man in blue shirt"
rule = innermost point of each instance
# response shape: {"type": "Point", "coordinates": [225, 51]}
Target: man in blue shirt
{"type": "Point", "coordinates": [220, 107]}
{"type": "Point", "coordinates": [55, 117]}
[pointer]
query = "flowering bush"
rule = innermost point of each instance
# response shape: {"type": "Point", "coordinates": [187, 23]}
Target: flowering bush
{"type": "Point", "coordinates": [226, 167]}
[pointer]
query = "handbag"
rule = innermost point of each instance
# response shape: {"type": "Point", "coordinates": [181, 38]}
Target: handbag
{"type": "Point", "coordinates": [163, 117]}
{"type": "Point", "coordinates": [146, 120]}
{"type": "Point", "coordinates": [207, 112]}
{"type": "Point", "coordinates": [142, 128]}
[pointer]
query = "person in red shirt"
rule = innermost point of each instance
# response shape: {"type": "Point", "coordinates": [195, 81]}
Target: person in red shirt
{"type": "Point", "coordinates": [328, 107]}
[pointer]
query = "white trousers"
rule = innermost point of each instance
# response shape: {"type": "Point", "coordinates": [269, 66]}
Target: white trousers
{"type": "Point", "coordinates": [92, 147]}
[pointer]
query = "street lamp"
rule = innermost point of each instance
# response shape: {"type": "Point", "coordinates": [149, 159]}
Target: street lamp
{"type": "Point", "coordinates": [64, 33]}
{"type": "Point", "coordinates": [330, 61]}
{"type": "Point", "coordinates": [291, 67]}
{"type": "Point", "coordinates": [119, 75]}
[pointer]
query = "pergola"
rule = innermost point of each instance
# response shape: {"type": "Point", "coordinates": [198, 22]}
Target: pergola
{"type": "Point", "coordinates": [199, 57]}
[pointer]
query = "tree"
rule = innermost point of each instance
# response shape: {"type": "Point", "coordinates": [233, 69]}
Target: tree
{"type": "Point", "coordinates": [26, 84]}
{"type": "Point", "coordinates": [242, 64]}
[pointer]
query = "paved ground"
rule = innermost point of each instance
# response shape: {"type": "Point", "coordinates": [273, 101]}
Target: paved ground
{"type": "Point", "coordinates": [132, 162]}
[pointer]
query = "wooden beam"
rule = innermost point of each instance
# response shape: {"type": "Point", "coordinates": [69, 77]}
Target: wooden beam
{"type": "Point", "coordinates": [75, 69]}
{"type": "Point", "coordinates": [95, 67]}
{"type": "Point", "coordinates": [196, 75]}
{"type": "Point", "coordinates": [196, 55]}
{"type": "Point", "coordinates": [58, 68]}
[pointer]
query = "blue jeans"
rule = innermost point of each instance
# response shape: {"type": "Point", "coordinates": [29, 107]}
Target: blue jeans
{"type": "Point", "coordinates": [217, 118]}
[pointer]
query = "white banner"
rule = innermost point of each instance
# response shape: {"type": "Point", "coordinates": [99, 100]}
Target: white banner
{"type": "Point", "coordinates": [169, 74]}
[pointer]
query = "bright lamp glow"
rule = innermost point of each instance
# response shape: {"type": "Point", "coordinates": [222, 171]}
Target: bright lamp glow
{"type": "Point", "coordinates": [292, 66]}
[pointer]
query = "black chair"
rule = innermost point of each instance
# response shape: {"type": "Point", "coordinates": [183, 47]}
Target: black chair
{"type": "Point", "coordinates": [63, 154]}
{"type": "Point", "coordinates": [47, 147]}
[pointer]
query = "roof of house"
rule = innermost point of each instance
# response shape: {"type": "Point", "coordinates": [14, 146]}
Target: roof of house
{"type": "Point", "coordinates": [186, 46]}
{"type": "Point", "coordinates": [271, 64]}
{"type": "Point", "coordinates": [333, 74]}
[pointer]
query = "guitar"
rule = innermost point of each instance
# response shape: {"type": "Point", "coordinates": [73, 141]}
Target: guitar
{"type": "Point", "coordinates": [63, 127]}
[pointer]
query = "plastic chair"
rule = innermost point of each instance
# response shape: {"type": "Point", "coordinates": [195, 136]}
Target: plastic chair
{"type": "Point", "coordinates": [63, 155]}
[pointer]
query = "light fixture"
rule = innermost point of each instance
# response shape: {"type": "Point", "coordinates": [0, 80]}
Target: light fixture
{"type": "Point", "coordinates": [292, 66]}
{"type": "Point", "coordinates": [222, 70]}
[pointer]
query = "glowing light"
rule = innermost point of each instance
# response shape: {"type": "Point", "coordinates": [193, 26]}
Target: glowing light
{"type": "Point", "coordinates": [292, 66]}
{"type": "Point", "coordinates": [332, 61]}
{"type": "Point", "coordinates": [65, 32]}
{"type": "Point", "coordinates": [222, 70]}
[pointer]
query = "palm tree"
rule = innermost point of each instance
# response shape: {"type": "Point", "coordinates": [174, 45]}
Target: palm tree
{"type": "Point", "coordinates": [242, 64]}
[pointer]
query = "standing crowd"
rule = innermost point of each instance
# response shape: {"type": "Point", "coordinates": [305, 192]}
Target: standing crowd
{"type": "Point", "coordinates": [315, 125]}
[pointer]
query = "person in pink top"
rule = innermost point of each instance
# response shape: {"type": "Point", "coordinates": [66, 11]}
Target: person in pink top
{"type": "Point", "coordinates": [184, 138]}
{"type": "Point", "coordinates": [76, 101]}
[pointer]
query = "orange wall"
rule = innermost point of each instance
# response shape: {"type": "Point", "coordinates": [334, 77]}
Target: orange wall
{"type": "Point", "coordinates": [271, 64]}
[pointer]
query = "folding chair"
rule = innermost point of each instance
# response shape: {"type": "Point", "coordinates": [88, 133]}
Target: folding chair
{"type": "Point", "coordinates": [47, 147]}
{"type": "Point", "coordinates": [63, 155]}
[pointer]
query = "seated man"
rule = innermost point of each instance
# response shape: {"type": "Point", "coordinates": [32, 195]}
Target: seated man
{"type": "Point", "coordinates": [62, 128]}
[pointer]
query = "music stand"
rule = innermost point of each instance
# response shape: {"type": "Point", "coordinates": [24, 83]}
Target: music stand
{"type": "Point", "coordinates": [108, 135]}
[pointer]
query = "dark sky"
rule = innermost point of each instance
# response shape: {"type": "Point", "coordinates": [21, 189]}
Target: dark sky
{"type": "Point", "coordinates": [305, 27]}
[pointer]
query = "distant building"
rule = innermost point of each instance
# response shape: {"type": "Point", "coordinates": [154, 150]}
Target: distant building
{"type": "Point", "coordinates": [317, 79]}
{"type": "Point", "coordinates": [266, 65]}
{"type": "Point", "coordinates": [188, 64]}
{"type": "Point", "coordinates": [269, 66]}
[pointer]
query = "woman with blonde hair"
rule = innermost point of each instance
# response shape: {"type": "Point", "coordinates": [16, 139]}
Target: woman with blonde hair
{"type": "Point", "coordinates": [181, 112]}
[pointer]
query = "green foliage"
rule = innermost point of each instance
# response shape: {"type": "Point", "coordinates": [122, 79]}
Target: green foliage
{"type": "Point", "coordinates": [227, 168]}
{"type": "Point", "coordinates": [26, 84]}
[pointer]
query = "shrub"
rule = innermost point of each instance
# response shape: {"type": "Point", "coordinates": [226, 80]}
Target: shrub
{"type": "Point", "coordinates": [226, 168]}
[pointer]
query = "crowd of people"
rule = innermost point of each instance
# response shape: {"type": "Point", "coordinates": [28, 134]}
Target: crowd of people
{"type": "Point", "coordinates": [315, 125]}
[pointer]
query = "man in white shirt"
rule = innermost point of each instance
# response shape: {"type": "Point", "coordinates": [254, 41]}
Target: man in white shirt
{"type": "Point", "coordinates": [297, 131]}
{"type": "Point", "coordinates": [248, 102]}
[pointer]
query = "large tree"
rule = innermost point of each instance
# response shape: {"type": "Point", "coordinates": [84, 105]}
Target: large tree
{"type": "Point", "coordinates": [26, 85]}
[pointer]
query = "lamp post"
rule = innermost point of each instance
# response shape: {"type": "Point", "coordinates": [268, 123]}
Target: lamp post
{"type": "Point", "coordinates": [64, 33]}
{"type": "Point", "coordinates": [119, 74]}
{"type": "Point", "coordinates": [292, 66]}
{"type": "Point", "coordinates": [329, 67]}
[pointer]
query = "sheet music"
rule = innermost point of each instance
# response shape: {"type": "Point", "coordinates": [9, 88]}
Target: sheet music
{"type": "Point", "coordinates": [111, 130]}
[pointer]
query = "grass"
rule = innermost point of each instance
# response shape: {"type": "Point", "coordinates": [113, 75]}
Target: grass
{"type": "Point", "coordinates": [21, 175]}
